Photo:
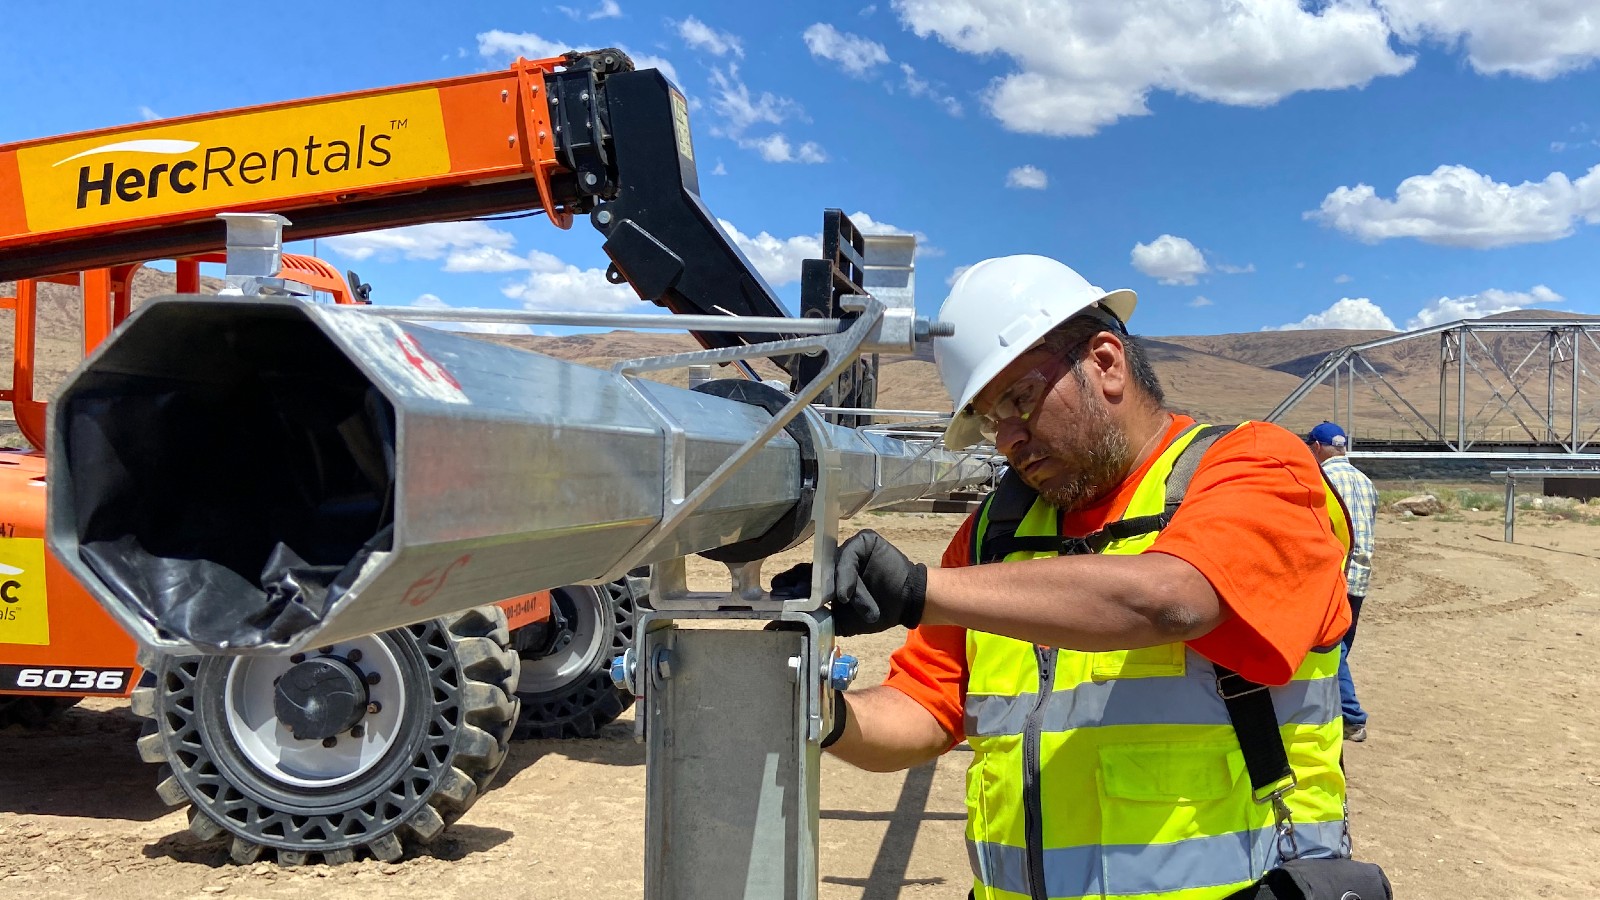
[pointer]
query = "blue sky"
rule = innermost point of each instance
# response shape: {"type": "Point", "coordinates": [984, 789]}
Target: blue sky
{"type": "Point", "coordinates": [1242, 165]}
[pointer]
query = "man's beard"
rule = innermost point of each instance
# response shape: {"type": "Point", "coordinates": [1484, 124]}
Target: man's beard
{"type": "Point", "coordinates": [1095, 463]}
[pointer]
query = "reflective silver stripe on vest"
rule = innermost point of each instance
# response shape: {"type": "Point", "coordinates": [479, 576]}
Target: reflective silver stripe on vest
{"type": "Point", "coordinates": [1118, 869]}
{"type": "Point", "coordinates": [1145, 701]}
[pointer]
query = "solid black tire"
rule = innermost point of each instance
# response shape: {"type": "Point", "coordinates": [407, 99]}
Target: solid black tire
{"type": "Point", "coordinates": [580, 706]}
{"type": "Point", "coordinates": [453, 743]}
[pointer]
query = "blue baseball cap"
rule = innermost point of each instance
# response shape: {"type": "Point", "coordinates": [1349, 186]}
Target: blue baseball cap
{"type": "Point", "coordinates": [1328, 435]}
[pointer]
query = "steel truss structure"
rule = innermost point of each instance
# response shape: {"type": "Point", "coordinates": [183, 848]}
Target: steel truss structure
{"type": "Point", "coordinates": [1522, 389]}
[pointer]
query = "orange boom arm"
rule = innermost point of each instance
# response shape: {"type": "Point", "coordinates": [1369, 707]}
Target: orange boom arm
{"type": "Point", "coordinates": [583, 133]}
{"type": "Point", "coordinates": [470, 145]}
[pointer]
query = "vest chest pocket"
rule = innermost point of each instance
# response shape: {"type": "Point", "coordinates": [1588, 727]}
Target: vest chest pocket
{"type": "Point", "coordinates": [1164, 661]}
{"type": "Point", "coordinates": [1170, 817]}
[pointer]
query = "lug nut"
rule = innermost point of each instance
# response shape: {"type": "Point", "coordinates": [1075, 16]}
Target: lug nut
{"type": "Point", "coordinates": [325, 651]}
{"type": "Point", "coordinates": [353, 656]}
{"type": "Point", "coordinates": [373, 678]}
{"type": "Point", "coordinates": [357, 731]}
{"type": "Point", "coordinates": [329, 742]}
{"type": "Point", "coordinates": [374, 708]}
{"type": "Point", "coordinates": [298, 658]}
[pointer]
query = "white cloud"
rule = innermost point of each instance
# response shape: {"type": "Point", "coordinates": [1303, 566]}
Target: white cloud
{"type": "Point", "coordinates": [1083, 64]}
{"type": "Point", "coordinates": [866, 224]}
{"type": "Point", "coordinates": [918, 87]}
{"type": "Point", "coordinates": [1170, 260]}
{"type": "Point", "coordinates": [498, 44]}
{"type": "Point", "coordinates": [429, 241]}
{"type": "Point", "coordinates": [777, 259]}
{"type": "Point", "coordinates": [432, 301]}
{"type": "Point", "coordinates": [1201, 302]}
{"type": "Point", "coordinates": [720, 169]}
{"type": "Point", "coordinates": [869, 10]}
{"type": "Point", "coordinates": [740, 109]}
{"type": "Point", "coordinates": [855, 54]}
{"type": "Point", "coordinates": [959, 271]}
{"type": "Point", "coordinates": [1245, 269]}
{"type": "Point", "coordinates": [484, 259]}
{"type": "Point", "coordinates": [776, 148]}
{"type": "Point", "coordinates": [1027, 177]}
{"type": "Point", "coordinates": [553, 284]}
{"type": "Point", "coordinates": [1342, 279]}
{"type": "Point", "coordinates": [608, 10]}
{"type": "Point", "coordinates": [148, 114]}
{"type": "Point", "coordinates": [1534, 38]}
{"type": "Point", "coordinates": [1458, 207]}
{"type": "Point", "coordinates": [1359, 313]}
{"type": "Point", "coordinates": [701, 36]}
{"type": "Point", "coordinates": [1477, 306]}
{"type": "Point", "coordinates": [505, 43]}
{"type": "Point", "coordinates": [477, 247]}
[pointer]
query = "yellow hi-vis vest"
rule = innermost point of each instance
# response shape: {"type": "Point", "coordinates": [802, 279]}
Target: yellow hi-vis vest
{"type": "Point", "coordinates": [1118, 774]}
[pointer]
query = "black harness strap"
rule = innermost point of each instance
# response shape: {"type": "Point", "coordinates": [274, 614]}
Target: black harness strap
{"type": "Point", "coordinates": [1255, 721]}
{"type": "Point", "coordinates": [1011, 499]}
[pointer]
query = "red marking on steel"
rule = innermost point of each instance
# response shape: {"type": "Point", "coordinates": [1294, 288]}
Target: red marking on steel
{"type": "Point", "coordinates": [428, 586]}
{"type": "Point", "coordinates": [422, 362]}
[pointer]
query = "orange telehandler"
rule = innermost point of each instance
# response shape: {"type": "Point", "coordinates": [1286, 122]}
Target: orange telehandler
{"type": "Point", "coordinates": [387, 738]}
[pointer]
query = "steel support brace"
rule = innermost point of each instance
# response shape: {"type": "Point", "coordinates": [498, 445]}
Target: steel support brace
{"type": "Point", "coordinates": [732, 719]}
{"type": "Point", "coordinates": [1511, 508]}
{"type": "Point", "coordinates": [732, 754]}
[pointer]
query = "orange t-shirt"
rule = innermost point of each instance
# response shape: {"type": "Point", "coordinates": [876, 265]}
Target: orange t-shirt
{"type": "Point", "coordinates": [1254, 523]}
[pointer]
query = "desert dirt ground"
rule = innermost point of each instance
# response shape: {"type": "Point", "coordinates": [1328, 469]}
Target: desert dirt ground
{"type": "Point", "coordinates": [1478, 661]}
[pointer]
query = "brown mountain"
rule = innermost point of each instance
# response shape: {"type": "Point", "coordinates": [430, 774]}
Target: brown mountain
{"type": "Point", "coordinates": [1220, 377]}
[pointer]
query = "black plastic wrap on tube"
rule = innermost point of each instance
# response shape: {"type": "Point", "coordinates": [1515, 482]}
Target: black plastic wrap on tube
{"type": "Point", "coordinates": [237, 571]}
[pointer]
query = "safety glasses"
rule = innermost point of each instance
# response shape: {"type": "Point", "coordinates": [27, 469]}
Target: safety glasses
{"type": "Point", "coordinates": [1021, 400]}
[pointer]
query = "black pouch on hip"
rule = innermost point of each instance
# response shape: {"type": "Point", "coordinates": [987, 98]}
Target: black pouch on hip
{"type": "Point", "coordinates": [1320, 879]}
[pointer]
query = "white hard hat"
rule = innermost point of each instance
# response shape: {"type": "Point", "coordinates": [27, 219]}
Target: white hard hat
{"type": "Point", "coordinates": [1000, 308]}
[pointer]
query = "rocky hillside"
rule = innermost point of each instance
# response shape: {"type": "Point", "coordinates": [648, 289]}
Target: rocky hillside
{"type": "Point", "coordinates": [1221, 377]}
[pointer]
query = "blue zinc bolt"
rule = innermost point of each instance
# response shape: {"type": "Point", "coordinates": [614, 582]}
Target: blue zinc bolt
{"type": "Point", "coordinates": [619, 672]}
{"type": "Point", "coordinates": [843, 671]}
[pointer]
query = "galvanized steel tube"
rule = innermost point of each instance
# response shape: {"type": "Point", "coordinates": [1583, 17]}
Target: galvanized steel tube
{"type": "Point", "coordinates": [217, 458]}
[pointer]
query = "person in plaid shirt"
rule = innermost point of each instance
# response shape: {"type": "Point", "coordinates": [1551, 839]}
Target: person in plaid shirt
{"type": "Point", "coordinates": [1328, 443]}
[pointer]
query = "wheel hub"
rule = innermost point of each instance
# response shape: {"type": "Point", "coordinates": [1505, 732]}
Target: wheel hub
{"type": "Point", "coordinates": [320, 698]}
{"type": "Point", "coordinates": [266, 697]}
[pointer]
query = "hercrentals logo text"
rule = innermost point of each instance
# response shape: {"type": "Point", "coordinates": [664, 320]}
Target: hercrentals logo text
{"type": "Point", "coordinates": [252, 158]}
{"type": "Point", "coordinates": [220, 166]}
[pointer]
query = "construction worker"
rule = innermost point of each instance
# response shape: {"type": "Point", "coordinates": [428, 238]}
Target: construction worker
{"type": "Point", "coordinates": [1084, 676]}
{"type": "Point", "coordinates": [1328, 444]}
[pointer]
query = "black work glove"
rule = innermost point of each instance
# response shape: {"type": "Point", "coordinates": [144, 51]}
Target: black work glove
{"type": "Point", "coordinates": [875, 586]}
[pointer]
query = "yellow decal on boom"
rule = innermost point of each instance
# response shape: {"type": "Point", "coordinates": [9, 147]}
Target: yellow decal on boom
{"type": "Point", "coordinates": [680, 125]}
{"type": "Point", "coordinates": [24, 614]}
{"type": "Point", "coordinates": [333, 146]}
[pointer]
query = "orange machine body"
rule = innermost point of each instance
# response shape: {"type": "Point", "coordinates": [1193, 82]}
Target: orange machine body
{"type": "Point", "coordinates": [282, 157]}
{"type": "Point", "coordinates": [55, 640]}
